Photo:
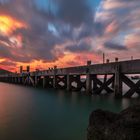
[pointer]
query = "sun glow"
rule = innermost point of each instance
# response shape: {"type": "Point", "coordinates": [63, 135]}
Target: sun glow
{"type": "Point", "coordinates": [2, 59]}
{"type": "Point", "coordinates": [9, 24]}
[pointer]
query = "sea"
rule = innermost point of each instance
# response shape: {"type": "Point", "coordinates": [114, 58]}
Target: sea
{"type": "Point", "coordinates": [28, 113]}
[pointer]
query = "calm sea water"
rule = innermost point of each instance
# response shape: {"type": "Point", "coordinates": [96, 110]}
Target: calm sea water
{"type": "Point", "coordinates": [41, 114]}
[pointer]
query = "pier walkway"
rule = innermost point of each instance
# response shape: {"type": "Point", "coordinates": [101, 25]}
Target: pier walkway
{"type": "Point", "coordinates": [113, 76]}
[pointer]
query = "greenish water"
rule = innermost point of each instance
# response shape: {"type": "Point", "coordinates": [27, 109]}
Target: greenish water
{"type": "Point", "coordinates": [42, 114]}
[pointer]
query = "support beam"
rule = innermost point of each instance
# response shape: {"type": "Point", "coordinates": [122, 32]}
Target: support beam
{"type": "Point", "coordinates": [104, 85]}
{"type": "Point", "coordinates": [134, 87]}
{"type": "Point", "coordinates": [88, 84]}
{"type": "Point", "coordinates": [68, 82]}
{"type": "Point", "coordinates": [44, 82]}
{"type": "Point", "coordinates": [49, 81]}
{"type": "Point", "coordinates": [118, 82]}
{"type": "Point", "coordinates": [54, 81]}
{"type": "Point", "coordinates": [19, 80]}
{"type": "Point", "coordinates": [88, 79]}
{"type": "Point", "coordinates": [105, 78]}
{"type": "Point", "coordinates": [61, 79]}
{"type": "Point", "coordinates": [55, 77]}
{"type": "Point", "coordinates": [113, 82]}
{"type": "Point", "coordinates": [23, 78]}
{"type": "Point", "coordinates": [95, 87]}
{"type": "Point", "coordinates": [36, 81]}
{"type": "Point", "coordinates": [77, 80]}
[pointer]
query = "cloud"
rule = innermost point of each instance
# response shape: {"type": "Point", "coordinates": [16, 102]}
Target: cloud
{"type": "Point", "coordinates": [133, 41]}
{"type": "Point", "coordinates": [114, 46]}
{"type": "Point", "coordinates": [8, 63]}
{"type": "Point", "coordinates": [69, 26]}
{"type": "Point", "coordinates": [74, 12]}
{"type": "Point", "coordinates": [81, 47]}
{"type": "Point", "coordinates": [37, 41]}
{"type": "Point", "coordinates": [120, 18]}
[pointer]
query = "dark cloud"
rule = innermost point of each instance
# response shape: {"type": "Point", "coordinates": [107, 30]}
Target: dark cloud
{"type": "Point", "coordinates": [73, 21]}
{"type": "Point", "coordinates": [95, 29]}
{"type": "Point", "coordinates": [39, 42]}
{"type": "Point", "coordinates": [81, 47]}
{"type": "Point", "coordinates": [4, 38]}
{"type": "Point", "coordinates": [5, 51]}
{"type": "Point", "coordinates": [13, 54]}
{"type": "Point", "coordinates": [114, 46]}
{"type": "Point", "coordinates": [74, 12]}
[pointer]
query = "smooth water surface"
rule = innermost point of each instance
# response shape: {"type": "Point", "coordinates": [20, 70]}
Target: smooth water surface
{"type": "Point", "coordinates": [41, 114]}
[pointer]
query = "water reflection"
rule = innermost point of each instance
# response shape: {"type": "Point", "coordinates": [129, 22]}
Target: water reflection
{"type": "Point", "coordinates": [125, 103]}
{"type": "Point", "coordinates": [74, 97]}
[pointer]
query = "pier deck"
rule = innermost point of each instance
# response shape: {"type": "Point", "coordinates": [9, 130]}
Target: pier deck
{"type": "Point", "coordinates": [65, 77]}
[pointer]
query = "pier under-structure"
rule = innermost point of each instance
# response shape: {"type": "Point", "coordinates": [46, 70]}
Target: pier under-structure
{"type": "Point", "coordinates": [93, 78]}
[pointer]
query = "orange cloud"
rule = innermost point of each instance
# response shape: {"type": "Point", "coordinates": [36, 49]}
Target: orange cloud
{"type": "Point", "coordinates": [68, 60]}
{"type": "Point", "coordinates": [2, 59]}
{"type": "Point", "coordinates": [9, 24]}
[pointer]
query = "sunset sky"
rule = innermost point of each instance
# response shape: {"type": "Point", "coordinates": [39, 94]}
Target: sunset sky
{"type": "Point", "coordinates": [44, 33]}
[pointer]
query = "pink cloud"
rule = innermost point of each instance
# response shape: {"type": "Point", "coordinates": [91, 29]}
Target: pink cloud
{"type": "Point", "coordinates": [112, 28]}
{"type": "Point", "coordinates": [133, 41]}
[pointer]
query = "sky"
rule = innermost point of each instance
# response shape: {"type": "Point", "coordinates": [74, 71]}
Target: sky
{"type": "Point", "coordinates": [45, 33]}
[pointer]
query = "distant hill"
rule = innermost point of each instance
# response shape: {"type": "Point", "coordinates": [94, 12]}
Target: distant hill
{"type": "Point", "coordinates": [2, 71]}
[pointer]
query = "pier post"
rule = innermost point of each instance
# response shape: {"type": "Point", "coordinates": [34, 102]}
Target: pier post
{"type": "Point", "coordinates": [113, 83]}
{"type": "Point", "coordinates": [54, 77]}
{"type": "Point", "coordinates": [88, 83]}
{"type": "Point", "coordinates": [118, 82]}
{"type": "Point", "coordinates": [12, 79]}
{"type": "Point", "coordinates": [88, 79]}
{"type": "Point", "coordinates": [68, 82]}
{"type": "Point", "coordinates": [15, 80]}
{"type": "Point", "coordinates": [105, 78]}
{"type": "Point", "coordinates": [107, 60]}
{"type": "Point", "coordinates": [22, 79]}
{"type": "Point", "coordinates": [116, 59]}
{"type": "Point", "coordinates": [94, 79]}
{"type": "Point", "coordinates": [36, 80]}
{"type": "Point", "coordinates": [18, 79]}
{"type": "Point", "coordinates": [44, 82]}
{"type": "Point", "coordinates": [54, 81]}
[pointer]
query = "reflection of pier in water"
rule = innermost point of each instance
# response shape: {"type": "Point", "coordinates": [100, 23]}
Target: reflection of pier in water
{"type": "Point", "coordinates": [115, 75]}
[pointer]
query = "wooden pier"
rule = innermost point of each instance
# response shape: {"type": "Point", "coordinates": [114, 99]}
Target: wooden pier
{"type": "Point", "coordinates": [113, 76]}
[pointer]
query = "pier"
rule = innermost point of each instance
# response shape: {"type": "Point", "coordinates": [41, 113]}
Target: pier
{"type": "Point", "coordinates": [113, 75]}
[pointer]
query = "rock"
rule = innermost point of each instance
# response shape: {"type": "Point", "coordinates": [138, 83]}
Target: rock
{"type": "Point", "coordinates": [105, 125]}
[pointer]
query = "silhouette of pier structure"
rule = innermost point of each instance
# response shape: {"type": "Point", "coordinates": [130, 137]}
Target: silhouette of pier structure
{"type": "Point", "coordinates": [113, 75]}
